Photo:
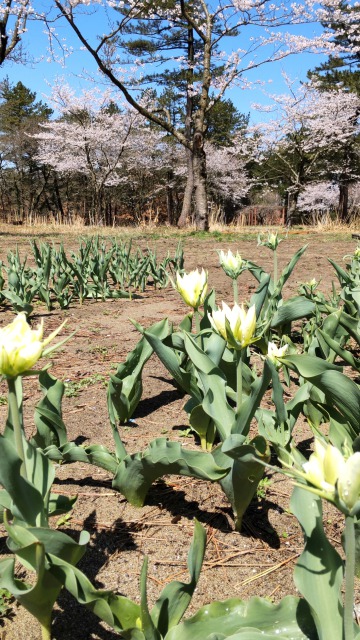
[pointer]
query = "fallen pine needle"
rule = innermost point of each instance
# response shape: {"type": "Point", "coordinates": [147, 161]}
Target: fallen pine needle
{"type": "Point", "coordinates": [270, 570]}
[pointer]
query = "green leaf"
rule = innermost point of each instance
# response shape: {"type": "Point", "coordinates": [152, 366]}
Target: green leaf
{"type": "Point", "coordinates": [290, 619]}
{"type": "Point", "coordinates": [117, 611]}
{"type": "Point", "coordinates": [203, 426]}
{"type": "Point", "coordinates": [293, 309]}
{"type": "Point", "coordinates": [319, 572]}
{"type": "Point", "coordinates": [240, 484]}
{"type": "Point", "coordinates": [125, 386]}
{"type": "Point", "coordinates": [27, 501]}
{"type": "Point", "coordinates": [95, 454]}
{"type": "Point", "coordinates": [251, 404]}
{"type": "Point", "coordinates": [176, 596]}
{"type": "Point", "coordinates": [339, 390]}
{"type": "Point", "coordinates": [32, 546]}
{"type": "Point", "coordinates": [137, 472]}
{"type": "Point", "coordinates": [261, 293]}
{"type": "Point", "coordinates": [48, 414]}
{"type": "Point", "coordinates": [170, 360]}
{"type": "Point", "coordinates": [213, 383]}
{"type": "Point", "coordinates": [343, 353]}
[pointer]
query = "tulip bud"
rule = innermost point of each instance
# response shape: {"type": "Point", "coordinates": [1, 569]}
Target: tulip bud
{"type": "Point", "coordinates": [192, 287]}
{"type": "Point", "coordinates": [272, 241]}
{"type": "Point", "coordinates": [232, 264]}
{"type": "Point", "coordinates": [275, 352]}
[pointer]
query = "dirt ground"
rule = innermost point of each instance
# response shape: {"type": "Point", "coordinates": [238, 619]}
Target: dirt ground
{"type": "Point", "coordinates": [257, 561]}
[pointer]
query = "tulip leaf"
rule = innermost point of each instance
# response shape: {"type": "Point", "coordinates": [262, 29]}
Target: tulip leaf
{"type": "Point", "coordinates": [319, 571]}
{"type": "Point", "coordinates": [147, 624]}
{"type": "Point", "coordinates": [240, 484]}
{"type": "Point", "coordinates": [125, 386]}
{"type": "Point", "coordinates": [288, 269]}
{"type": "Point", "coordinates": [59, 504]}
{"type": "Point", "coordinates": [293, 309]}
{"type": "Point", "coordinates": [48, 415]}
{"type": "Point", "coordinates": [213, 384]}
{"type": "Point", "coordinates": [343, 353]}
{"type": "Point", "coordinates": [176, 596]}
{"type": "Point", "coordinates": [352, 325]}
{"type": "Point", "coordinates": [203, 426]}
{"type": "Point", "coordinates": [261, 293]}
{"type": "Point", "coordinates": [344, 276]}
{"type": "Point", "coordinates": [250, 405]}
{"type": "Point", "coordinates": [258, 618]}
{"type": "Point", "coordinates": [339, 390]}
{"type": "Point", "coordinates": [117, 611]}
{"type": "Point", "coordinates": [95, 454]}
{"type": "Point", "coordinates": [137, 472]}
{"type": "Point", "coordinates": [170, 360]}
{"type": "Point", "coordinates": [27, 501]}
{"type": "Point", "coordinates": [32, 546]}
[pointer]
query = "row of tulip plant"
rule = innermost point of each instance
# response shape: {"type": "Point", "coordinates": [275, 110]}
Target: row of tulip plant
{"type": "Point", "coordinates": [97, 270]}
{"type": "Point", "coordinates": [225, 359]}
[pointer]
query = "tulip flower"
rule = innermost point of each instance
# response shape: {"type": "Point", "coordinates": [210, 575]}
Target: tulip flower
{"type": "Point", "coordinates": [328, 470]}
{"type": "Point", "coordinates": [236, 325]}
{"type": "Point", "coordinates": [21, 347]}
{"type": "Point", "coordinates": [192, 287]}
{"type": "Point", "coordinates": [324, 468]}
{"type": "Point", "coordinates": [349, 482]}
{"type": "Point", "coordinates": [275, 352]}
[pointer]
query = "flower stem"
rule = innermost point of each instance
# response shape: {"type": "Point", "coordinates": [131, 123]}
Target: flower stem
{"type": "Point", "coordinates": [236, 291]}
{"type": "Point", "coordinates": [46, 630]}
{"type": "Point", "coordinates": [239, 361]}
{"type": "Point", "coordinates": [349, 578]}
{"type": "Point", "coordinates": [16, 420]}
{"type": "Point", "coordinates": [197, 320]}
{"type": "Point", "coordinates": [275, 268]}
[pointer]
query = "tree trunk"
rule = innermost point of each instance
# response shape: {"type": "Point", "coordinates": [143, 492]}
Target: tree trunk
{"type": "Point", "coordinates": [170, 207]}
{"type": "Point", "coordinates": [200, 180]}
{"type": "Point", "coordinates": [186, 205]}
{"type": "Point", "coordinates": [344, 201]}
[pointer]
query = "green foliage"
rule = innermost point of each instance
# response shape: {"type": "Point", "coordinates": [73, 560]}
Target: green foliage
{"type": "Point", "coordinates": [96, 271]}
{"type": "Point", "coordinates": [255, 619]}
{"type": "Point", "coordinates": [318, 576]}
{"type": "Point", "coordinates": [18, 107]}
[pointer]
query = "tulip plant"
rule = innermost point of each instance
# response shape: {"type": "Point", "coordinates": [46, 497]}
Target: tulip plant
{"type": "Point", "coordinates": [233, 265]}
{"type": "Point", "coordinates": [95, 271]}
{"type": "Point", "coordinates": [213, 364]}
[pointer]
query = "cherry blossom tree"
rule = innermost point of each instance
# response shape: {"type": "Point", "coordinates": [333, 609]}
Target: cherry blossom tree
{"type": "Point", "coordinates": [309, 139]}
{"type": "Point", "coordinates": [95, 138]}
{"type": "Point", "coordinates": [13, 18]}
{"type": "Point", "coordinates": [319, 198]}
{"type": "Point", "coordinates": [229, 182]}
{"type": "Point", "coordinates": [209, 72]}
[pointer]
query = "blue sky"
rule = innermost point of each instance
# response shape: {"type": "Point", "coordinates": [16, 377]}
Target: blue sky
{"type": "Point", "coordinates": [39, 75]}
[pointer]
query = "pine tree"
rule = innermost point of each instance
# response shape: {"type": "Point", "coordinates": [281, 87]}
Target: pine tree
{"type": "Point", "coordinates": [342, 70]}
{"type": "Point", "coordinates": [23, 178]}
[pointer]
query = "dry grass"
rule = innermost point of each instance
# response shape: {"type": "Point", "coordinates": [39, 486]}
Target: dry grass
{"type": "Point", "coordinates": [77, 230]}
